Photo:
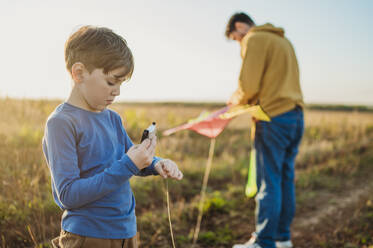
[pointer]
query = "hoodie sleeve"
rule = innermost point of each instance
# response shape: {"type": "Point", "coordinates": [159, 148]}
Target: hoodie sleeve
{"type": "Point", "coordinates": [253, 55]}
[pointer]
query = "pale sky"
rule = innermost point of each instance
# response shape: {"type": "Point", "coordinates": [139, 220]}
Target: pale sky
{"type": "Point", "coordinates": [180, 50]}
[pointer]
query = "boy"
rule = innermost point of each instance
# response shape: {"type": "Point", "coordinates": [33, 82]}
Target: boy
{"type": "Point", "coordinates": [89, 154]}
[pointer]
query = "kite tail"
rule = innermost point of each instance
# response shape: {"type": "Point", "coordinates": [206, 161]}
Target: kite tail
{"type": "Point", "coordinates": [251, 187]}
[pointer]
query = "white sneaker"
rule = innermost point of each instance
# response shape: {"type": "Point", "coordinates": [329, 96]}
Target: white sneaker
{"type": "Point", "coordinates": [246, 245]}
{"type": "Point", "coordinates": [284, 244]}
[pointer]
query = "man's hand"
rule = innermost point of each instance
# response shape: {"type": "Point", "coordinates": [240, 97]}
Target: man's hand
{"type": "Point", "coordinates": [167, 168]}
{"type": "Point", "coordinates": [232, 101]}
{"type": "Point", "coordinates": [142, 154]}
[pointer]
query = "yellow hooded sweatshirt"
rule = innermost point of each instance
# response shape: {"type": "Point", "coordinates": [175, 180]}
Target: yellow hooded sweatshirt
{"type": "Point", "coordinates": [269, 74]}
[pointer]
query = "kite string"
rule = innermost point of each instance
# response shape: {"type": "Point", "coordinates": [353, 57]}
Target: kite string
{"type": "Point", "coordinates": [169, 214]}
{"type": "Point", "coordinates": [168, 206]}
{"type": "Point", "coordinates": [203, 191]}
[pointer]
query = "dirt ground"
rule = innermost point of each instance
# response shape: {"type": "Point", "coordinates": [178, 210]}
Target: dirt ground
{"type": "Point", "coordinates": [333, 220]}
{"type": "Point", "coordinates": [346, 222]}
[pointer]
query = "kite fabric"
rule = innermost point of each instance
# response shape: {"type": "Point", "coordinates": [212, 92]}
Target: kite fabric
{"type": "Point", "coordinates": [255, 111]}
{"type": "Point", "coordinates": [211, 125]}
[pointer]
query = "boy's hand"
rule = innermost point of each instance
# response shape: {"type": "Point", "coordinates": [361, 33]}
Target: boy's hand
{"type": "Point", "coordinates": [142, 154]}
{"type": "Point", "coordinates": [167, 168]}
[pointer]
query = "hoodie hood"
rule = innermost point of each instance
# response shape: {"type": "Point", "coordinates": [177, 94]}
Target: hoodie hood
{"type": "Point", "coordinates": [268, 28]}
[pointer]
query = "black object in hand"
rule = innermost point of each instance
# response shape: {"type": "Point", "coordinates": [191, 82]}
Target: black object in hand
{"type": "Point", "coordinates": [146, 132]}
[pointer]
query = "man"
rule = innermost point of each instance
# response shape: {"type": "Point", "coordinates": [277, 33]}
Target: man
{"type": "Point", "coordinates": [270, 77]}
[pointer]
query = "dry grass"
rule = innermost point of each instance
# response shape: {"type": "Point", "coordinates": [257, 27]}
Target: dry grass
{"type": "Point", "coordinates": [28, 214]}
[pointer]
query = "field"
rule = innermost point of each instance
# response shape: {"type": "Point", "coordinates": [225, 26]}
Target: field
{"type": "Point", "coordinates": [334, 178]}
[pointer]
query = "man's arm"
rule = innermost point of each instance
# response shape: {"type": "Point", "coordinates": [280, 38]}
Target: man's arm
{"type": "Point", "coordinates": [253, 66]}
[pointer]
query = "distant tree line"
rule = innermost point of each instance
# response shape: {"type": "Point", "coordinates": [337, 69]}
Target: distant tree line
{"type": "Point", "coordinates": [340, 107]}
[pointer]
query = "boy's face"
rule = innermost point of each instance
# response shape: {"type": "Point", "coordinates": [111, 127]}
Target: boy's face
{"type": "Point", "coordinates": [98, 90]}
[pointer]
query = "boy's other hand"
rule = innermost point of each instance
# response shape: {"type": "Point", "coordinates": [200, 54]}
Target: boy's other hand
{"type": "Point", "coordinates": [167, 168]}
{"type": "Point", "coordinates": [142, 154]}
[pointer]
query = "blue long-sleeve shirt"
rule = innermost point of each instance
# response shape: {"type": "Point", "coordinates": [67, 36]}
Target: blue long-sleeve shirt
{"type": "Point", "coordinates": [90, 172]}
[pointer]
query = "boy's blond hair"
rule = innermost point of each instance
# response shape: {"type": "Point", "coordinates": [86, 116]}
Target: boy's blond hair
{"type": "Point", "coordinates": [98, 48]}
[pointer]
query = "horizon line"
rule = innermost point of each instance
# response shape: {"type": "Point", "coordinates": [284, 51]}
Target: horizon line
{"type": "Point", "coordinates": [170, 101]}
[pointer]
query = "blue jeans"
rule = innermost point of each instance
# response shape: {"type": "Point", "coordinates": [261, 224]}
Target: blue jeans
{"type": "Point", "coordinates": [276, 145]}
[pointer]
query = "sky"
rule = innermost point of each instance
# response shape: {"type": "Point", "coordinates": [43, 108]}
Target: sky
{"type": "Point", "coordinates": [180, 51]}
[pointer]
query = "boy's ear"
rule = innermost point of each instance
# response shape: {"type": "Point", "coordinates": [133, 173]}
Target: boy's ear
{"type": "Point", "coordinates": [77, 72]}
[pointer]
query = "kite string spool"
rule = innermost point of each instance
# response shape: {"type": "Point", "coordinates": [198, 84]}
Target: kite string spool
{"type": "Point", "coordinates": [203, 190]}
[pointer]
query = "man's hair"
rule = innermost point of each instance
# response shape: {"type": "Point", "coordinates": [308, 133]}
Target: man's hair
{"type": "Point", "coordinates": [98, 48]}
{"type": "Point", "coordinates": [238, 17]}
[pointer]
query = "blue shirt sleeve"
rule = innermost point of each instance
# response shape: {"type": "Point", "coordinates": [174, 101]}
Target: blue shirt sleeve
{"type": "Point", "coordinates": [150, 170]}
{"type": "Point", "coordinates": [73, 191]}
